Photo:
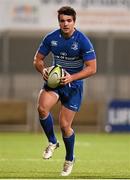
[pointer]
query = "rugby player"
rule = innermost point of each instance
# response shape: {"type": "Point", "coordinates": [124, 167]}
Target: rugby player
{"type": "Point", "coordinates": [72, 50]}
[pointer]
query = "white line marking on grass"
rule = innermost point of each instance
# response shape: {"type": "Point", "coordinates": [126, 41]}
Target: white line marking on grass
{"type": "Point", "coordinates": [56, 160]}
{"type": "Point", "coordinates": [59, 179]}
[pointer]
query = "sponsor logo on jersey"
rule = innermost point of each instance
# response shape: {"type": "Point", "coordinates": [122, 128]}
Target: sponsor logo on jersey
{"type": "Point", "coordinates": [66, 58]}
{"type": "Point", "coordinates": [74, 46]}
{"type": "Point", "coordinates": [54, 43]}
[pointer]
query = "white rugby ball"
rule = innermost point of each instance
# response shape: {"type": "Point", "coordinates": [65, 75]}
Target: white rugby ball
{"type": "Point", "coordinates": [54, 76]}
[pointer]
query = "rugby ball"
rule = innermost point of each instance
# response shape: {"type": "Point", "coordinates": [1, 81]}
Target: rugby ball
{"type": "Point", "coordinates": [55, 73]}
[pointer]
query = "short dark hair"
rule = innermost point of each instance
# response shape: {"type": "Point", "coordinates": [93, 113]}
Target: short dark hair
{"type": "Point", "coordinates": [67, 10]}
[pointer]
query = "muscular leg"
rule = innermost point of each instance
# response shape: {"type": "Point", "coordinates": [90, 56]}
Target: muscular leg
{"type": "Point", "coordinates": [46, 100]}
{"type": "Point", "coordinates": [65, 120]}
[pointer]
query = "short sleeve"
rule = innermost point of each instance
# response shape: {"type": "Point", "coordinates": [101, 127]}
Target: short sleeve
{"type": "Point", "coordinates": [44, 47]}
{"type": "Point", "coordinates": [88, 52]}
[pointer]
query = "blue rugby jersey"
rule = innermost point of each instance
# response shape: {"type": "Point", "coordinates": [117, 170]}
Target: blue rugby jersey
{"type": "Point", "coordinates": [69, 53]}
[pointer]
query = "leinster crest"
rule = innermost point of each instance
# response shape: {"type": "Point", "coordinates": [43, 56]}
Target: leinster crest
{"type": "Point", "coordinates": [74, 46]}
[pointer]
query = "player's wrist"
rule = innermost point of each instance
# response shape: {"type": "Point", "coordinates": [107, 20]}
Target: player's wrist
{"type": "Point", "coordinates": [73, 77]}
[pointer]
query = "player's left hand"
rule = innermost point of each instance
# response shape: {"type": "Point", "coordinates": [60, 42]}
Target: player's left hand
{"type": "Point", "coordinates": [45, 74]}
{"type": "Point", "coordinates": [66, 79]}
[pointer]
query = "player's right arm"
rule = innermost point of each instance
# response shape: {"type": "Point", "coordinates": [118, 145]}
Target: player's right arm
{"type": "Point", "coordinates": [39, 58]}
{"type": "Point", "coordinates": [39, 64]}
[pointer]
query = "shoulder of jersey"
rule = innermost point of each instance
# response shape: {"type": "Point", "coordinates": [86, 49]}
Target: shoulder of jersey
{"type": "Point", "coordinates": [53, 33]}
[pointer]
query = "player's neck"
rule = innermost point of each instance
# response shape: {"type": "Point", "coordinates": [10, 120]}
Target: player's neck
{"type": "Point", "coordinates": [67, 35]}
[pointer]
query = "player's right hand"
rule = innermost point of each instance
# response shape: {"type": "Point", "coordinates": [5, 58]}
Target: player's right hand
{"type": "Point", "coordinates": [45, 74]}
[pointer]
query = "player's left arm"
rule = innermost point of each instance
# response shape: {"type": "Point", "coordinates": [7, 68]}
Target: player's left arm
{"type": "Point", "coordinates": [89, 70]}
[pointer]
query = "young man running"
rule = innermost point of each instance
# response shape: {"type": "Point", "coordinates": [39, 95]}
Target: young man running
{"type": "Point", "coordinates": [74, 52]}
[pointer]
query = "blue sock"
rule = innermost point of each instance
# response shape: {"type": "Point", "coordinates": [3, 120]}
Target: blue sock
{"type": "Point", "coordinates": [69, 145]}
{"type": "Point", "coordinates": [47, 125]}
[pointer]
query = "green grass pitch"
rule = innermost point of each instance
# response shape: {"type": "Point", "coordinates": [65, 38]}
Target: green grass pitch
{"type": "Point", "coordinates": [98, 156]}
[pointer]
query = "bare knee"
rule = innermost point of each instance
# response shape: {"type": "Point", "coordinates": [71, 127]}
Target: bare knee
{"type": "Point", "coordinates": [66, 130]}
{"type": "Point", "coordinates": [43, 112]}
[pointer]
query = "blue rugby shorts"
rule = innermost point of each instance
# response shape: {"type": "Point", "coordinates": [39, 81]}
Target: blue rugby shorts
{"type": "Point", "coordinates": [70, 95]}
